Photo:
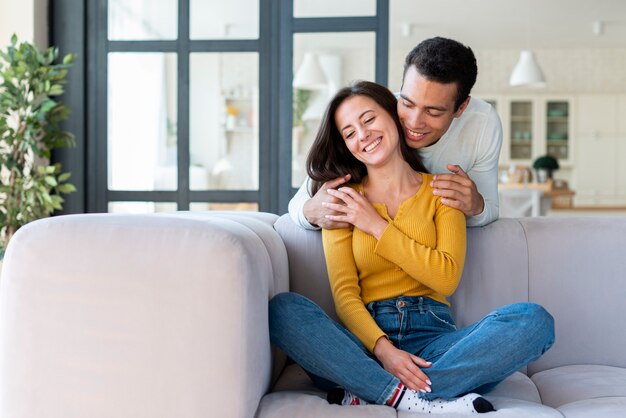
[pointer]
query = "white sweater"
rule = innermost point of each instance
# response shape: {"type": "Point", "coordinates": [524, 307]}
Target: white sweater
{"type": "Point", "coordinates": [473, 142]}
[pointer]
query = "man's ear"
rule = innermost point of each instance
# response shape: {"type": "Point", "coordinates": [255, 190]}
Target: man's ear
{"type": "Point", "coordinates": [462, 108]}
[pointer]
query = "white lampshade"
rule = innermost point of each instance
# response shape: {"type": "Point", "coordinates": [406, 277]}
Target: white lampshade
{"type": "Point", "coordinates": [310, 75]}
{"type": "Point", "coordinates": [527, 72]}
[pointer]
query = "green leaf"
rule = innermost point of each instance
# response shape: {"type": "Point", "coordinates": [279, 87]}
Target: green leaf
{"type": "Point", "coordinates": [56, 90]}
{"type": "Point", "coordinates": [69, 58]}
{"type": "Point", "coordinates": [67, 188]}
{"type": "Point", "coordinates": [51, 181]}
{"type": "Point", "coordinates": [47, 106]}
{"type": "Point", "coordinates": [64, 177]}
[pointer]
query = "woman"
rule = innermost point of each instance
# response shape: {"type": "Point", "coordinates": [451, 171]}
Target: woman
{"type": "Point", "coordinates": [390, 275]}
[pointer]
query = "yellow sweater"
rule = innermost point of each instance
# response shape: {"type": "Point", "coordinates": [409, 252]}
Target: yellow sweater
{"type": "Point", "coordinates": [420, 253]}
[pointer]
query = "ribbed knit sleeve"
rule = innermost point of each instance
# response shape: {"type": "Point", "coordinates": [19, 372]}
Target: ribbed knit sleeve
{"type": "Point", "coordinates": [344, 284]}
{"type": "Point", "coordinates": [438, 266]}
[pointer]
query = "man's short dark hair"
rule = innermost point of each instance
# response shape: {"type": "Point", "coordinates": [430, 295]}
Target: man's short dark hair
{"type": "Point", "coordinates": [445, 61]}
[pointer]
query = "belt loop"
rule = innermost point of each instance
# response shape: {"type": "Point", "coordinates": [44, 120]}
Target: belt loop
{"type": "Point", "coordinates": [420, 304]}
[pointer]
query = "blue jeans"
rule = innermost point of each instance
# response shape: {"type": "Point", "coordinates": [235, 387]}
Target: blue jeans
{"type": "Point", "coordinates": [472, 359]}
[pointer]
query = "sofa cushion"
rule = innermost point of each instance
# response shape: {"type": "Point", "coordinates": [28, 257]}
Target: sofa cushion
{"type": "Point", "coordinates": [307, 266]}
{"type": "Point", "coordinates": [611, 407]}
{"type": "Point", "coordinates": [517, 386]}
{"type": "Point", "coordinates": [567, 384]}
{"type": "Point", "coordinates": [515, 396]}
{"type": "Point", "coordinates": [312, 404]}
{"type": "Point", "coordinates": [134, 316]}
{"type": "Point", "coordinates": [495, 272]}
{"type": "Point", "coordinates": [577, 271]}
{"type": "Point", "coordinates": [515, 408]}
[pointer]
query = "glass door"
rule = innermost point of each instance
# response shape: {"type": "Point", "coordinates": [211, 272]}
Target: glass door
{"type": "Point", "coordinates": [557, 129]}
{"type": "Point", "coordinates": [521, 130]}
{"type": "Point", "coordinates": [183, 89]}
{"type": "Point", "coordinates": [329, 44]}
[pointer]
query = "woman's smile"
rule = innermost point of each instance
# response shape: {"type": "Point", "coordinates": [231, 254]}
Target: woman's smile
{"type": "Point", "coordinates": [373, 145]}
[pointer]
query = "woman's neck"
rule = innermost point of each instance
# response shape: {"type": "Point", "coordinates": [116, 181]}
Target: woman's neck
{"type": "Point", "coordinates": [393, 182]}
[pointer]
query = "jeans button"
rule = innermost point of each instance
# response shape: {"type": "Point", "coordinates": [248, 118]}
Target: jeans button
{"type": "Point", "coordinates": [401, 304]}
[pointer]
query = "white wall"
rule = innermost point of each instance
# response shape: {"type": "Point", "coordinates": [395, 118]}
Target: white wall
{"type": "Point", "coordinates": [26, 18]}
{"type": "Point", "coordinates": [567, 71]}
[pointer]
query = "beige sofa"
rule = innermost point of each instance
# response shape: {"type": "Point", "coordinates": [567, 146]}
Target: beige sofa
{"type": "Point", "coordinates": [166, 315]}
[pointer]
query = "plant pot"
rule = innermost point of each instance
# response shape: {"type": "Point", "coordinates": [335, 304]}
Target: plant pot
{"type": "Point", "coordinates": [543, 175]}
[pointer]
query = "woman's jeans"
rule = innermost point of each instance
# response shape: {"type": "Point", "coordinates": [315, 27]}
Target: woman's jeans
{"type": "Point", "coordinates": [472, 359]}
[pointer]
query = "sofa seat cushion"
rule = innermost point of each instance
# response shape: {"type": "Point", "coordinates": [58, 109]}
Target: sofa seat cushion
{"type": "Point", "coordinates": [313, 404]}
{"type": "Point", "coordinates": [610, 407]}
{"type": "Point", "coordinates": [517, 386]}
{"type": "Point", "coordinates": [568, 384]}
{"type": "Point", "coordinates": [295, 395]}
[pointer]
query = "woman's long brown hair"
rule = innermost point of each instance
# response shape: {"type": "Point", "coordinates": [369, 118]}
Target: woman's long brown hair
{"type": "Point", "coordinates": [329, 156]}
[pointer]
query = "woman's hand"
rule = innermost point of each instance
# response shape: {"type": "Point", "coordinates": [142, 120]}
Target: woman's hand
{"type": "Point", "coordinates": [355, 209]}
{"type": "Point", "coordinates": [405, 366]}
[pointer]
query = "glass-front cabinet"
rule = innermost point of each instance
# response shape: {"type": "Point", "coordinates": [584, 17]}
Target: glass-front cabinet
{"type": "Point", "coordinates": [521, 130]}
{"type": "Point", "coordinates": [558, 129]}
{"type": "Point", "coordinates": [533, 126]}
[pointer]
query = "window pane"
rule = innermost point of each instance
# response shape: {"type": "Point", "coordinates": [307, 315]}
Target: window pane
{"type": "Point", "coordinates": [142, 121]}
{"type": "Point", "coordinates": [322, 64]}
{"type": "Point", "coordinates": [219, 19]}
{"type": "Point", "coordinates": [142, 19]}
{"type": "Point", "coordinates": [243, 206]}
{"type": "Point", "coordinates": [141, 207]}
{"type": "Point", "coordinates": [223, 113]}
{"type": "Point", "coordinates": [326, 8]}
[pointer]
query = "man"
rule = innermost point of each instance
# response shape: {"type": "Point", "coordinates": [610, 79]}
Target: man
{"type": "Point", "coordinates": [452, 131]}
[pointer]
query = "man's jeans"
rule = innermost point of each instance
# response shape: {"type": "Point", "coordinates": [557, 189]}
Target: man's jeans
{"type": "Point", "coordinates": [473, 359]}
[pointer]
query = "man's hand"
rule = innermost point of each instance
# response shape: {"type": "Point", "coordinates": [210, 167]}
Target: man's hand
{"type": "Point", "coordinates": [314, 210]}
{"type": "Point", "coordinates": [403, 365]}
{"type": "Point", "coordinates": [458, 191]}
{"type": "Point", "coordinates": [355, 209]}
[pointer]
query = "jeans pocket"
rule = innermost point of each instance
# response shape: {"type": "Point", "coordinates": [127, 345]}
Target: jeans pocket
{"type": "Point", "coordinates": [443, 318]}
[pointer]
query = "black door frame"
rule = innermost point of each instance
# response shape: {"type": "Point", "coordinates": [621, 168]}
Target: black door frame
{"type": "Point", "coordinates": [81, 27]}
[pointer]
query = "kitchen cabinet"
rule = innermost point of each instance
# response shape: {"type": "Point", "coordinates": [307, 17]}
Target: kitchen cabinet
{"type": "Point", "coordinates": [533, 126]}
{"type": "Point", "coordinates": [600, 172]}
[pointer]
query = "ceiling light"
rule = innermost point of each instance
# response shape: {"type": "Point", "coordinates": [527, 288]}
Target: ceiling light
{"type": "Point", "coordinates": [527, 72]}
{"type": "Point", "coordinates": [310, 75]}
{"type": "Point", "coordinates": [597, 27]}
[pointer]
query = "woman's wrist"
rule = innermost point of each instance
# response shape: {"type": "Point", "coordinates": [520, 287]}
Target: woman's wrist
{"type": "Point", "coordinates": [382, 346]}
{"type": "Point", "coordinates": [379, 228]}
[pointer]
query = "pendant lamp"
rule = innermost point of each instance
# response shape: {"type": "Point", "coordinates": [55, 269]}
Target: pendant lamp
{"type": "Point", "coordinates": [310, 75]}
{"type": "Point", "coordinates": [527, 72]}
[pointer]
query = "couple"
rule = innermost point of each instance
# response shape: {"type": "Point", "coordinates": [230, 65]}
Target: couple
{"type": "Point", "coordinates": [392, 263]}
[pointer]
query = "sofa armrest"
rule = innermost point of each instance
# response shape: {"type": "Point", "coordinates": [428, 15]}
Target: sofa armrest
{"type": "Point", "coordinates": [136, 316]}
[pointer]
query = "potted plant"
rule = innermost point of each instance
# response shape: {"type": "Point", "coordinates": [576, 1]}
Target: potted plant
{"type": "Point", "coordinates": [545, 165]}
{"type": "Point", "coordinates": [30, 186]}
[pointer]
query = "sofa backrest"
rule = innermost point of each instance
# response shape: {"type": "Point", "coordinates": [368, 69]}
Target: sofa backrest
{"type": "Point", "coordinates": [111, 315]}
{"type": "Point", "coordinates": [577, 270]}
{"type": "Point", "coordinates": [574, 267]}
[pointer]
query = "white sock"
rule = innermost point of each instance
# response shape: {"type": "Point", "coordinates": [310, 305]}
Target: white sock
{"type": "Point", "coordinates": [469, 404]}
